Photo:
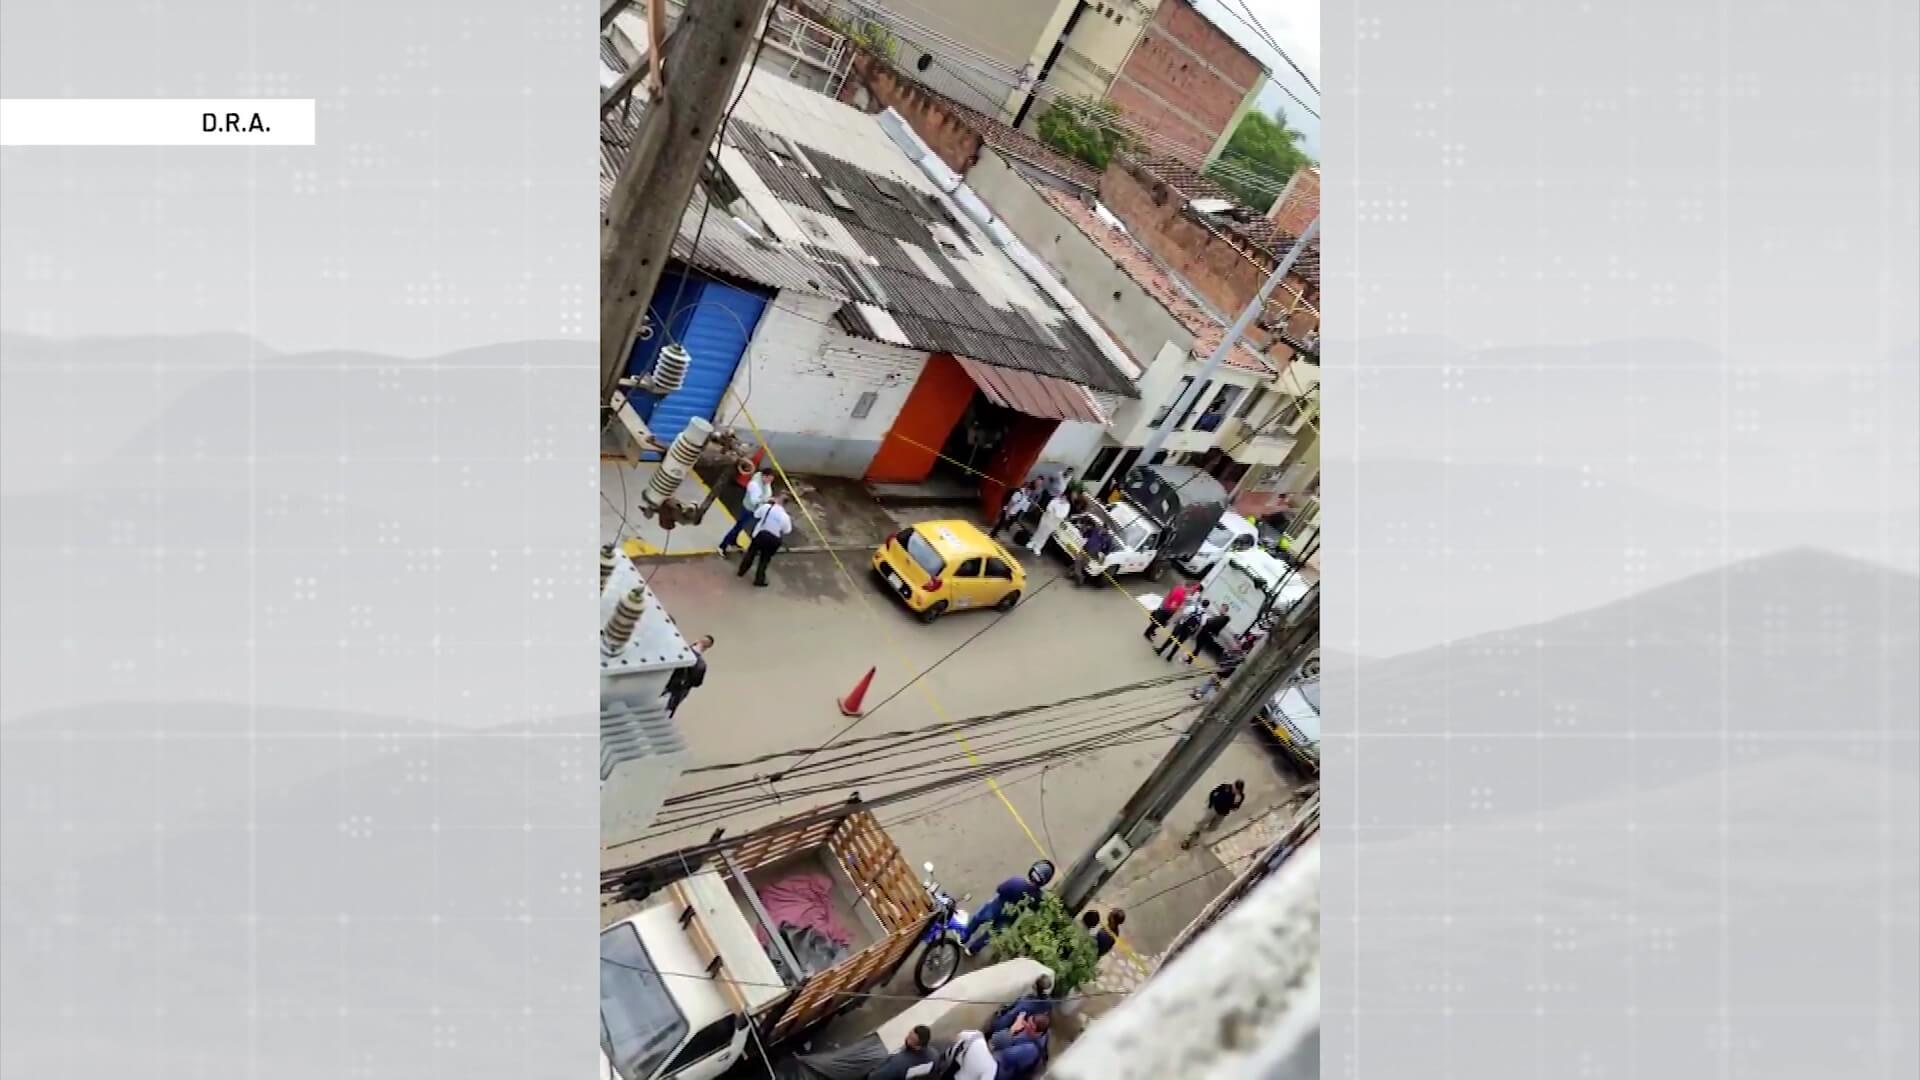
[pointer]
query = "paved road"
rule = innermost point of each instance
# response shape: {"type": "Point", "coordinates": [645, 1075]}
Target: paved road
{"type": "Point", "coordinates": [786, 653]}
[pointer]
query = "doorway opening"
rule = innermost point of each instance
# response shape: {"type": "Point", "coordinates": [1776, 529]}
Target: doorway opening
{"type": "Point", "coordinates": [974, 441]}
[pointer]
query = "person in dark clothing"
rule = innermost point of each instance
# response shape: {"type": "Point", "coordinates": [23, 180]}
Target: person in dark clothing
{"type": "Point", "coordinates": [1221, 673]}
{"type": "Point", "coordinates": [1169, 607]}
{"type": "Point", "coordinates": [1210, 629]}
{"type": "Point", "coordinates": [1035, 1002]}
{"type": "Point", "coordinates": [686, 680]}
{"type": "Point", "coordinates": [1183, 632]}
{"type": "Point", "coordinates": [1103, 940]}
{"type": "Point", "coordinates": [1221, 801]}
{"type": "Point", "coordinates": [1021, 1049]}
{"type": "Point", "coordinates": [912, 1060]}
{"type": "Point", "coordinates": [999, 910]}
{"type": "Point", "coordinates": [1097, 546]}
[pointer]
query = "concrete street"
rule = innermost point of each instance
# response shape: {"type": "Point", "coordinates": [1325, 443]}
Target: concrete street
{"type": "Point", "coordinates": [786, 653]}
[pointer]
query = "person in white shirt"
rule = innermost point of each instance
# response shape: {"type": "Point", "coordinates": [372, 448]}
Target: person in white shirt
{"type": "Point", "coordinates": [975, 1057]}
{"type": "Point", "coordinates": [759, 489]}
{"type": "Point", "coordinates": [1050, 519]}
{"type": "Point", "coordinates": [770, 526]}
{"type": "Point", "coordinates": [1011, 511]}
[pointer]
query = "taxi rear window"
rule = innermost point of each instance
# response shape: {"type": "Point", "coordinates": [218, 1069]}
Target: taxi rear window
{"type": "Point", "coordinates": [921, 552]}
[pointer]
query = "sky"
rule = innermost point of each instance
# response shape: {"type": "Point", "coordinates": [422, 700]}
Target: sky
{"type": "Point", "coordinates": [1295, 27]}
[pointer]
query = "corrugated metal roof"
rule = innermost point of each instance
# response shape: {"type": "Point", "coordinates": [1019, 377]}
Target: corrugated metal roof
{"type": "Point", "coordinates": [726, 248]}
{"type": "Point", "coordinates": [873, 216]}
{"type": "Point", "coordinates": [1035, 395]}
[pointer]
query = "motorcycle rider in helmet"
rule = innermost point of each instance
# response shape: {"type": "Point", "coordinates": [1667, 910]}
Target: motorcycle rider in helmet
{"type": "Point", "coordinates": [1000, 910]}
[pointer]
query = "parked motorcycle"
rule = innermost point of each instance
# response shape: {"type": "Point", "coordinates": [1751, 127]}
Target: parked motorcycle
{"type": "Point", "coordinates": [944, 942]}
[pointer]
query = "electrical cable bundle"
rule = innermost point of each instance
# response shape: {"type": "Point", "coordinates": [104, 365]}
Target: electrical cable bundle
{"type": "Point", "coordinates": [915, 762]}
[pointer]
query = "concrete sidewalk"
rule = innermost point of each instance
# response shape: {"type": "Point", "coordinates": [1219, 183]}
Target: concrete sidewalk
{"type": "Point", "coordinates": [839, 514]}
{"type": "Point", "coordinates": [1163, 888]}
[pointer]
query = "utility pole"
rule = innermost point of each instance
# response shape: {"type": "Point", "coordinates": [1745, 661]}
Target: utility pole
{"type": "Point", "coordinates": [1275, 659]}
{"type": "Point", "coordinates": [1225, 349]}
{"type": "Point", "coordinates": [712, 42]}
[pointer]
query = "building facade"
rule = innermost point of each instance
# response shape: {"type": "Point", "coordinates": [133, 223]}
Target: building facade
{"type": "Point", "coordinates": [1178, 79]}
{"type": "Point", "coordinates": [859, 315]}
{"type": "Point", "coordinates": [1244, 425]}
{"type": "Point", "coordinates": [1187, 81]}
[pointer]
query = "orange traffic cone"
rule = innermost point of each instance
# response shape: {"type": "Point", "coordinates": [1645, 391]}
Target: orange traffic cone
{"type": "Point", "coordinates": [850, 705]}
{"type": "Point", "coordinates": [748, 467]}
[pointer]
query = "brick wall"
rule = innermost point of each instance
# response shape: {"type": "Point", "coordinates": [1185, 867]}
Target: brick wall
{"type": "Point", "coordinates": [1152, 212]}
{"type": "Point", "coordinates": [1186, 78]}
{"type": "Point", "coordinates": [944, 133]}
{"type": "Point", "coordinates": [1299, 204]}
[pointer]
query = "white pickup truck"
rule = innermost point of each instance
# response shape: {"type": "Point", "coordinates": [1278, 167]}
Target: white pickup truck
{"type": "Point", "coordinates": [1136, 540]}
{"type": "Point", "coordinates": [752, 945]}
{"type": "Point", "coordinates": [661, 1013]}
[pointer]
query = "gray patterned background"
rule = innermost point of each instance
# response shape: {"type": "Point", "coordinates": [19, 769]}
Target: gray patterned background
{"type": "Point", "coordinates": [1621, 528]}
{"type": "Point", "coordinates": [297, 498]}
{"type": "Point", "coordinates": [296, 471]}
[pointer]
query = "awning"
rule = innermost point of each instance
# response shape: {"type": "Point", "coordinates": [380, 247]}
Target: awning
{"type": "Point", "coordinates": [1034, 394]}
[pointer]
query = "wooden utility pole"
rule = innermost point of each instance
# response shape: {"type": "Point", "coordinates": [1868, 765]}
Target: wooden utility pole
{"type": "Point", "coordinates": [1276, 659]}
{"type": "Point", "coordinates": [712, 42]}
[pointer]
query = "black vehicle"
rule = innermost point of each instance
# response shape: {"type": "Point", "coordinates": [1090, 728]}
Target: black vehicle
{"type": "Point", "coordinates": [1185, 502]}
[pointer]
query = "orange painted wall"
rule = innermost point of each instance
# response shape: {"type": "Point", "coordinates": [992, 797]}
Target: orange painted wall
{"type": "Point", "coordinates": [1014, 460]}
{"type": "Point", "coordinates": [938, 399]}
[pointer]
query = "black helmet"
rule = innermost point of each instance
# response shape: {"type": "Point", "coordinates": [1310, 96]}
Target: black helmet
{"type": "Point", "coordinates": [1040, 872]}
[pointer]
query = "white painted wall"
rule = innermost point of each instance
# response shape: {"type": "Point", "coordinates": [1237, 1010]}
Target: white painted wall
{"type": "Point", "coordinates": [1159, 385]}
{"type": "Point", "coordinates": [802, 378]}
{"type": "Point", "coordinates": [1072, 445]}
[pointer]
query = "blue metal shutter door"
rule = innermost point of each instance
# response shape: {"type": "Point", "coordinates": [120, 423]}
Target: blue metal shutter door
{"type": "Point", "coordinates": [715, 336]}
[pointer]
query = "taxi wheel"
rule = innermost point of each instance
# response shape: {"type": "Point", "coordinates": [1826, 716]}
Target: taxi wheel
{"type": "Point", "coordinates": [933, 611]}
{"type": "Point", "coordinates": [1008, 601]}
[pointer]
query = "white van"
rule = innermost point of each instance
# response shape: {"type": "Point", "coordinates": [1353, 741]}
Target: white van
{"type": "Point", "coordinates": [1233, 534]}
{"type": "Point", "coordinates": [1252, 583]}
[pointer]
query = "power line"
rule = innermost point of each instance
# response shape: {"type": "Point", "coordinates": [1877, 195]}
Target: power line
{"type": "Point", "coordinates": [965, 722]}
{"type": "Point", "coordinates": [937, 778]}
{"type": "Point", "coordinates": [711, 805]}
{"type": "Point", "coordinates": [864, 995]}
{"type": "Point", "coordinates": [930, 669]}
{"type": "Point", "coordinates": [1252, 23]}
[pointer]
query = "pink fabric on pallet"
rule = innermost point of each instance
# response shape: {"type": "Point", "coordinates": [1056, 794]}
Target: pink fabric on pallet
{"type": "Point", "coordinates": [804, 898]}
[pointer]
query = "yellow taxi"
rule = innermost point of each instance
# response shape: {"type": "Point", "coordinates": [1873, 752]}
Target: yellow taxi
{"type": "Point", "coordinates": [942, 566]}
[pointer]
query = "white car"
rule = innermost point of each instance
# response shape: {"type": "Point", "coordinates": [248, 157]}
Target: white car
{"type": "Point", "coordinates": [1233, 534]}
